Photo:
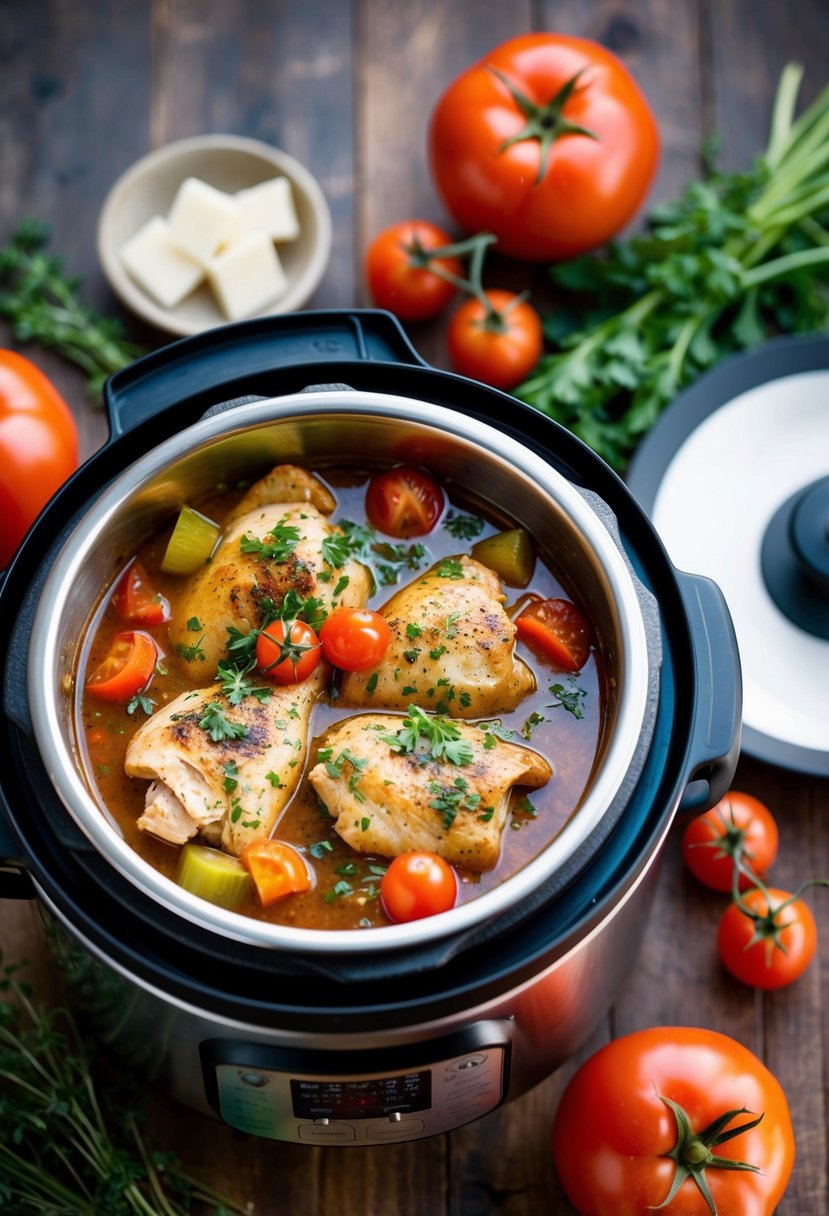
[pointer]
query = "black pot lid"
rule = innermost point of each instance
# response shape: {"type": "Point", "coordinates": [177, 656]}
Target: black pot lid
{"type": "Point", "coordinates": [735, 477]}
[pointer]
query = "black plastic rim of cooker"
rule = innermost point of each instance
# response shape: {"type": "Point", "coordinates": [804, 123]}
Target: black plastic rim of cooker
{"type": "Point", "coordinates": [131, 931]}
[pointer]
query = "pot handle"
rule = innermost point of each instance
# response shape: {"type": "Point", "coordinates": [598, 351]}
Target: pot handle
{"type": "Point", "coordinates": [222, 361]}
{"type": "Point", "coordinates": [715, 734]}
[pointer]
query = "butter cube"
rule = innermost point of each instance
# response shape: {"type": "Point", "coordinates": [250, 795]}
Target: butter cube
{"type": "Point", "coordinates": [269, 207]}
{"type": "Point", "coordinates": [201, 219]}
{"type": "Point", "coordinates": [247, 276]}
{"type": "Point", "coordinates": [159, 266]}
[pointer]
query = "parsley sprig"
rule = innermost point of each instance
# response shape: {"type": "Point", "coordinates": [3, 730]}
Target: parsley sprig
{"type": "Point", "coordinates": [432, 736]}
{"type": "Point", "coordinates": [284, 538]}
{"type": "Point", "coordinates": [220, 728]}
{"type": "Point", "coordinates": [737, 257]}
{"type": "Point", "coordinates": [237, 684]}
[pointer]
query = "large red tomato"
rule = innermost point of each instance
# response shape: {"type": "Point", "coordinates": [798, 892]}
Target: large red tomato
{"type": "Point", "coordinates": [38, 447]}
{"type": "Point", "coordinates": [547, 142]}
{"type": "Point", "coordinates": [637, 1128]}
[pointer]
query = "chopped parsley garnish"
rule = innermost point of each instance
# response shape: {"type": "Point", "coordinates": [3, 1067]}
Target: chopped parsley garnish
{"type": "Point", "coordinates": [274, 779]}
{"type": "Point", "coordinates": [236, 685]}
{"type": "Point", "coordinates": [450, 799]}
{"type": "Point", "coordinates": [295, 607]}
{"type": "Point", "coordinates": [569, 698]}
{"type": "Point", "coordinates": [284, 538]}
{"type": "Point", "coordinates": [450, 567]}
{"type": "Point", "coordinates": [231, 772]}
{"type": "Point", "coordinates": [493, 731]}
{"type": "Point", "coordinates": [463, 527]}
{"type": "Point", "coordinates": [371, 683]}
{"type": "Point", "coordinates": [432, 736]}
{"type": "Point", "coordinates": [385, 561]}
{"type": "Point", "coordinates": [218, 726]}
{"type": "Point", "coordinates": [436, 652]}
{"type": "Point", "coordinates": [413, 630]}
{"type": "Point", "coordinates": [451, 625]}
{"type": "Point", "coordinates": [411, 655]}
{"type": "Point", "coordinates": [535, 719]}
{"type": "Point", "coordinates": [336, 550]}
{"type": "Point", "coordinates": [320, 848]}
{"type": "Point", "coordinates": [342, 583]}
{"type": "Point", "coordinates": [191, 653]}
{"type": "Point", "coordinates": [140, 702]}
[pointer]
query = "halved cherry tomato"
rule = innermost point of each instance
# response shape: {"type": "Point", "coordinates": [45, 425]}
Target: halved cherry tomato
{"type": "Point", "coordinates": [355, 639]}
{"type": "Point", "coordinates": [417, 885]}
{"type": "Point", "coordinates": [772, 943]}
{"type": "Point", "coordinates": [404, 502]}
{"type": "Point", "coordinates": [276, 868]}
{"type": "Point", "coordinates": [137, 601]}
{"type": "Point", "coordinates": [126, 669]}
{"type": "Point", "coordinates": [738, 826]}
{"type": "Point", "coordinates": [558, 630]}
{"type": "Point", "coordinates": [288, 658]}
{"type": "Point", "coordinates": [498, 345]}
{"type": "Point", "coordinates": [400, 275]}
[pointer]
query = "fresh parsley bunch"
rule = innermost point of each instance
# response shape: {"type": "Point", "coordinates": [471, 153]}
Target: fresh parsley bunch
{"type": "Point", "coordinates": [739, 257]}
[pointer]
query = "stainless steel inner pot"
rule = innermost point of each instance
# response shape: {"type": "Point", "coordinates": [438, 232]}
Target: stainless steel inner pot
{"type": "Point", "coordinates": [319, 428]}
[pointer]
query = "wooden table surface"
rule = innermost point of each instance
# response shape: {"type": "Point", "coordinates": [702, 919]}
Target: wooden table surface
{"type": "Point", "coordinates": [347, 86]}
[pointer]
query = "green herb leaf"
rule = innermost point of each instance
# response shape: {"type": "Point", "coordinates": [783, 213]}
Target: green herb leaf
{"type": "Point", "coordinates": [218, 726]}
{"type": "Point", "coordinates": [435, 736]}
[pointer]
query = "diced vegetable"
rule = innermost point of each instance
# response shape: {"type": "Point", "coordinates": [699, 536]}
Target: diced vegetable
{"type": "Point", "coordinates": [510, 554]}
{"type": "Point", "coordinates": [193, 541]}
{"type": "Point", "coordinates": [276, 868]}
{"type": "Point", "coordinates": [126, 669]}
{"type": "Point", "coordinates": [214, 876]}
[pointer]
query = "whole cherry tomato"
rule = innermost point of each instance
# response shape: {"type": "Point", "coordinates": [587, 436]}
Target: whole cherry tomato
{"type": "Point", "coordinates": [402, 278]}
{"type": "Point", "coordinates": [38, 447]}
{"type": "Point", "coordinates": [557, 630]}
{"type": "Point", "coordinates": [621, 1145]}
{"type": "Point", "coordinates": [355, 639]}
{"type": "Point", "coordinates": [499, 344]}
{"type": "Point", "coordinates": [288, 657]}
{"type": "Point", "coordinates": [404, 502]}
{"type": "Point", "coordinates": [547, 142]}
{"type": "Point", "coordinates": [768, 939]}
{"type": "Point", "coordinates": [417, 885]}
{"type": "Point", "coordinates": [738, 826]}
{"type": "Point", "coordinates": [126, 668]}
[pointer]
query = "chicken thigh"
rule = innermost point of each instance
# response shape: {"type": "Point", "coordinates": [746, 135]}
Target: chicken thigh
{"type": "Point", "coordinates": [452, 647]}
{"type": "Point", "coordinates": [391, 800]}
{"type": "Point", "coordinates": [221, 770]}
{"type": "Point", "coordinates": [267, 550]}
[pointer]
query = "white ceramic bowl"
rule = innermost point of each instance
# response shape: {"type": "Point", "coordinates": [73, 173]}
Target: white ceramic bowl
{"type": "Point", "coordinates": [230, 163]}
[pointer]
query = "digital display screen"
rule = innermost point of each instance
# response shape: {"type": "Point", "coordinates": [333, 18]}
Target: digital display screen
{"type": "Point", "coordinates": [368, 1098]}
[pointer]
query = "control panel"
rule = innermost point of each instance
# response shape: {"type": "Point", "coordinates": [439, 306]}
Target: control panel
{"type": "Point", "coordinates": [403, 1092]}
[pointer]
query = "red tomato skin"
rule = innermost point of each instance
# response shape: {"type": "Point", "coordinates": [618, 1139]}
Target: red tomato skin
{"type": "Point", "coordinates": [136, 601]}
{"type": "Point", "coordinates": [404, 502]}
{"type": "Point", "coordinates": [137, 662]}
{"type": "Point", "coordinates": [763, 965]}
{"type": "Point", "coordinates": [750, 816]}
{"type": "Point", "coordinates": [411, 292]}
{"type": "Point", "coordinates": [591, 188]}
{"type": "Point", "coordinates": [557, 629]}
{"type": "Point", "coordinates": [417, 885]}
{"type": "Point", "coordinates": [500, 359]}
{"type": "Point", "coordinates": [268, 646]}
{"type": "Point", "coordinates": [355, 639]}
{"type": "Point", "coordinates": [611, 1127]}
{"type": "Point", "coordinates": [38, 447]}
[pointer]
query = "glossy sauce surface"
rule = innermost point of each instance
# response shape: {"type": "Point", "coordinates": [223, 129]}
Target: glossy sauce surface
{"type": "Point", "coordinates": [345, 894]}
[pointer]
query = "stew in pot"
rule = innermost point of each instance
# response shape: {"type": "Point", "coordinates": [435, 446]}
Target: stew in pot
{"type": "Point", "coordinates": [300, 682]}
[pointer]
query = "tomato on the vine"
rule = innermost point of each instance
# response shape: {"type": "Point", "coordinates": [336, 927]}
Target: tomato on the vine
{"type": "Point", "coordinates": [404, 502]}
{"type": "Point", "coordinates": [288, 656]}
{"type": "Point", "coordinates": [401, 275]}
{"type": "Point", "coordinates": [557, 630]}
{"type": "Point", "coordinates": [657, 1118]}
{"type": "Point", "coordinates": [768, 938]}
{"type": "Point", "coordinates": [739, 826]}
{"type": "Point", "coordinates": [547, 142]}
{"type": "Point", "coordinates": [417, 885]}
{"type": "Point", "coordinates": [126, 669]}
{"type": "Point", "coordinates": [498, 344]}
{"type": "Point", "coordinates": [38, 447]}
{"type": "Point", "coordinates": [355, 639]}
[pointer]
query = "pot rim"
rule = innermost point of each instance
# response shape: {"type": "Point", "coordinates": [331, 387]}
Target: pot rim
{"type": "Point", "coordinates": [47, 699]}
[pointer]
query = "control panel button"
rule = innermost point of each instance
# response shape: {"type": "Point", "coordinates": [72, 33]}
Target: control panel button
{"type": "Point", "coordinates": [323, 1131]}
{"type": "Point", "coordinates": [401, 1129]}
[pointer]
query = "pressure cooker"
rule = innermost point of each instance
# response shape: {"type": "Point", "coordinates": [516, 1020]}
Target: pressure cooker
{"type": "Point", "coordinates": [354, 1037]}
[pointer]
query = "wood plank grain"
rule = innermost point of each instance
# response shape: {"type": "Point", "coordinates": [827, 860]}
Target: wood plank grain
{"type": "Point", "coordinates": [279, 72]}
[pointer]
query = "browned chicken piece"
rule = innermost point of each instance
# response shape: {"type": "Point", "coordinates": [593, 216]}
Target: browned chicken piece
{"type": "Point", "coordinates": [452, 647]}
{"type": "Point", "coordinates": [285, 483]}
{"type": "Point", "coordinates": [285, 545]}
{"type": "Point", "coordinates": [229, 790]}
{"type": "Point", "coordinates": [391, 802]}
